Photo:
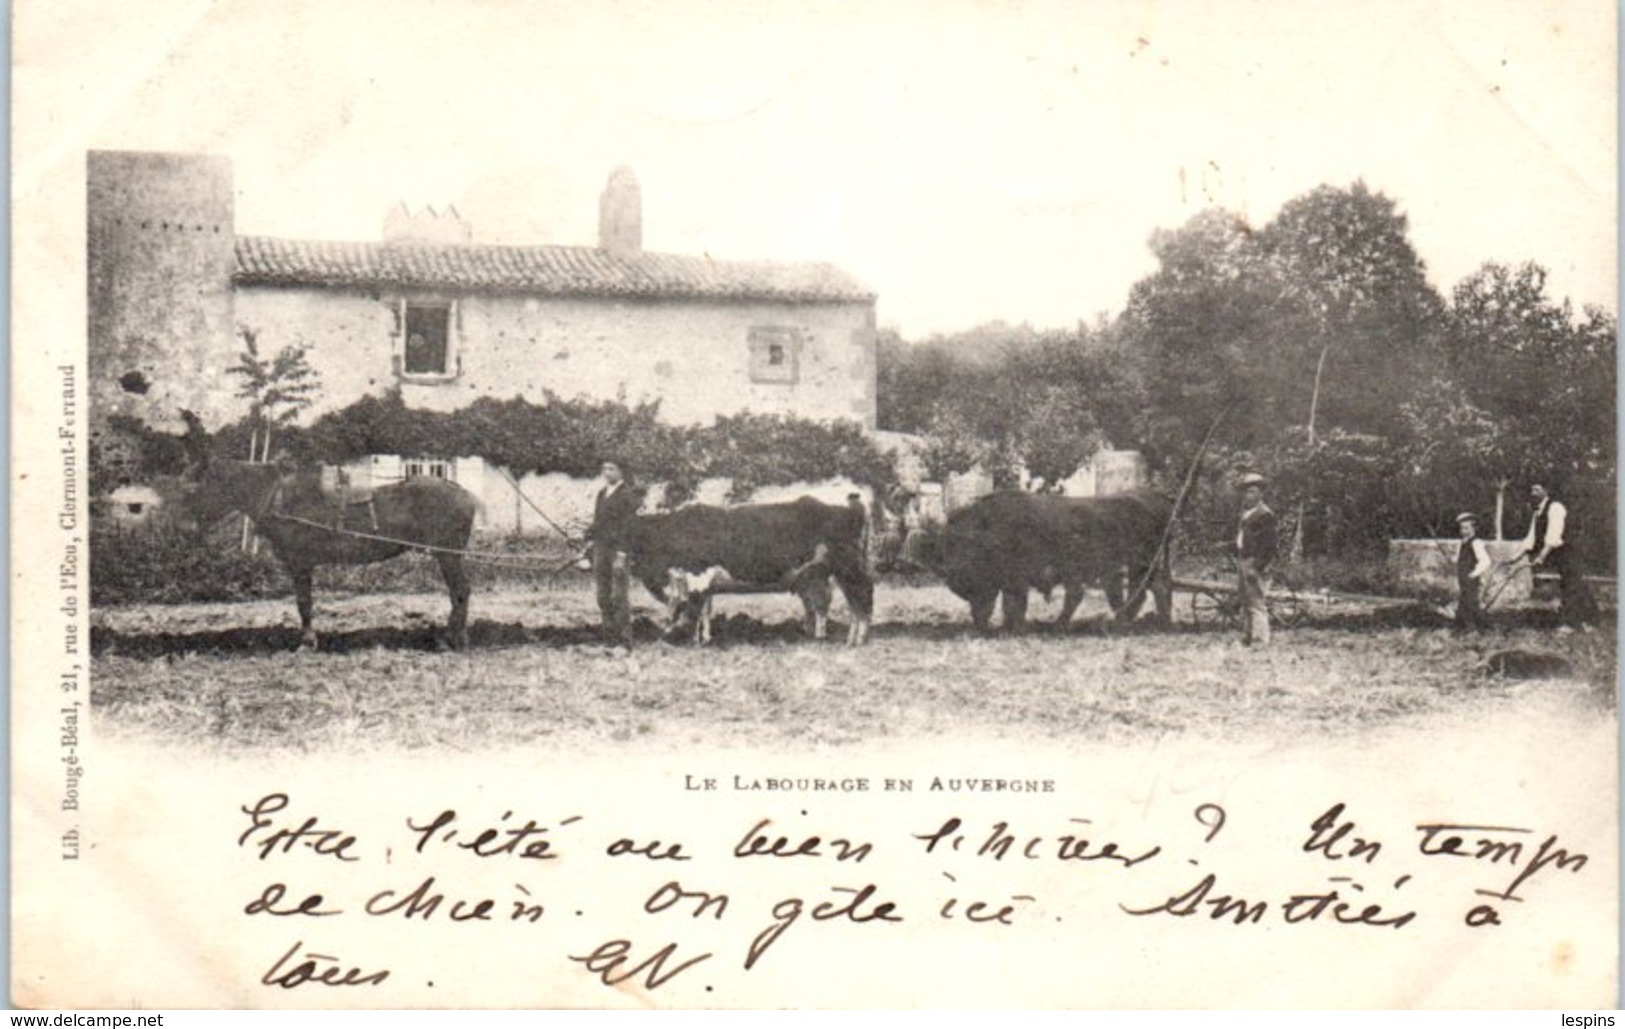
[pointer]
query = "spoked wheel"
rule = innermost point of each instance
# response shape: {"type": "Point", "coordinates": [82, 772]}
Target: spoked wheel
{"type": "Point", "coordinates": [1213, 609]}
{"type": "Point", "coordinates": [1288, 610]}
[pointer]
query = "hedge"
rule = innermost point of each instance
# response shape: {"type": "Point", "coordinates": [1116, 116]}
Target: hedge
{"type": "Point", "coordinates": [569, 436]}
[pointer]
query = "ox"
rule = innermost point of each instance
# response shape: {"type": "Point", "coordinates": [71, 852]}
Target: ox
{"type": "Point", "coordinates": [1010, 542]}
{"type": "Point", "coordinates": [795, 548]}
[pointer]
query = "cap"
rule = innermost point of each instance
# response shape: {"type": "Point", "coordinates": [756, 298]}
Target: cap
{"type": "Point", "coordinates": [1250, 479]}
{"type": "Point", "coordinates": [1467, 516]}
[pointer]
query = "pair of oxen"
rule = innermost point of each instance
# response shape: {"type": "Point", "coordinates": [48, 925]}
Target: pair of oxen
{"type": "Point", "coordinates": [996, 550]}
{"type": "Point", "coordinates": [1003, 545]}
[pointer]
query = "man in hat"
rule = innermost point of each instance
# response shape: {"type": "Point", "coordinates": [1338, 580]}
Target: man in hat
{"type": "Point", "coordinates": [1550, 544]}
{"type": "Point", "coordinates": [612, 516]}
{"type": "Point", "coordinates": [1472, 565]}
{"type": "Point", "coordinates": [1255, 549]}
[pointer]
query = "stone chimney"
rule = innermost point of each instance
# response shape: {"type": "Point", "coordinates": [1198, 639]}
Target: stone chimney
{"type": "Point", "coordinates": [620, 213]}
{"type": "Point", "coordinates": [401, 225]}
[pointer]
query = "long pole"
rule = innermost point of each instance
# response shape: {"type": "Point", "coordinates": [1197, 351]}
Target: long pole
{"type": "Point", "coordinates": [253, 448]}
{"type": "Point", "coordinates": [265, 455]}
{"type": "Point", "coordinates": [1314, 408]}
{"type": "Point", "coordinates": [1168, 530]}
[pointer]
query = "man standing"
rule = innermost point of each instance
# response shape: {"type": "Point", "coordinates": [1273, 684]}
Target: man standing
{"type": "Point", "coordinates": [1550, 544]}
{"type": "Point", "coordinates": [1472, 564]}
{"type": "Point", "coordinates": [1255, 549]}
{"type": "Point", "coordinates": [611, 528]}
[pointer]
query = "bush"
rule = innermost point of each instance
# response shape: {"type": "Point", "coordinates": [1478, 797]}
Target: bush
{"type": "Point", "coordinates": [163, 566]}
{"type": "Point", "coordinates": [574, 437]}
{"type": "Point", "coordinates": [166, 566]}
{"type": "Point", "coordinates": [568, 436]}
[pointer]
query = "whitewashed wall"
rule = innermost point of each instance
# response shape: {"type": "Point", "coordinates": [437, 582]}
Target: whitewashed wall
{"type": "Point", "coordinates": [540, 505]}
{"type": "Point", "coordinates": [692, 356]}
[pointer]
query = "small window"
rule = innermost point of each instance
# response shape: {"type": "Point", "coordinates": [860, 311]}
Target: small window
{"type": "Point", "coordinates": [426, 351]}
{"type": "Point", "coordinates": [775, 354]}
{"type": "Point", "coordinates": [431, 466]}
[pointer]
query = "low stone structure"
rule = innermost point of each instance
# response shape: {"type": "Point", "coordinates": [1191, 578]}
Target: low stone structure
{"type": "Point", "coordinates": [1429, 565]}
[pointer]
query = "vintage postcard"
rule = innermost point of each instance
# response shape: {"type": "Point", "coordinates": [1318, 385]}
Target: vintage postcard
{"type": "Point", "coordinates": [643, 504]}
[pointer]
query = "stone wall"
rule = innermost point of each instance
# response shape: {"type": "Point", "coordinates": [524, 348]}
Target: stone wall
{"type": "Point", "coordinates": [695, 357]}
{"type": "Point", "coordinates": [160, 255]}
{"type": "Point", "coordinates": [1430, 565]}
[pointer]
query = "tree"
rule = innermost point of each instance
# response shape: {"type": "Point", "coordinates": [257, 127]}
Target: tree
{"type": "Point", "coordinates": [1450, 452]}
{"type": "Point", "coordinates": [910, 379]}
{"type": "Point", "coordinates": [1546, 381]}
{"type": "Point", "coordinates": [278, 389]}
{"type": "Point", "coordinates": [1004, 397]}
{"type": "Point", "coordinates": [1545, 378]}
{"type": "Point", "coordinates": [1202, 338]}
{"type": "Point", "coordinates": [1356, 297]}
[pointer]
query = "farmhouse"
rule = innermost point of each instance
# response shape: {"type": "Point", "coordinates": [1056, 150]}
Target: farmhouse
{"type": "Point", "coordinates": [427, 311]}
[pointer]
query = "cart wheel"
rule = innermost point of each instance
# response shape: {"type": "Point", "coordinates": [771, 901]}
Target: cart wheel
{"type": "Point", "coordinates": [1288, 611]}
{"type": "Point", "coordinates": [1212, 609]}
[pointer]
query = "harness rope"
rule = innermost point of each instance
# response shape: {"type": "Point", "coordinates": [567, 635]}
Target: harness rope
{"type": "Point", "coordinates": [273, 498]}
{"type": "Point", "coordinates": [484, 557]}
{"type": "Point", "coordinates": [561, 530]}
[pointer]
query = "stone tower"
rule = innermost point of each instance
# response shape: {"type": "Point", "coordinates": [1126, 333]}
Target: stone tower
{"type": "Point", "coordinates": [620, 213]}
{"type": "Point", "coordinates": [160, 255]}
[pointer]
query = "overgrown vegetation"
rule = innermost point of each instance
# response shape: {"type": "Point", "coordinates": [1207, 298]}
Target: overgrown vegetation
{"type": "Point", "coordinates": [1328, 362]}
{"type": "Point", "coordinates": [166, 567]}
{"type": "Point", "coordinates": [568, 436]}
{"type": "Point", "coordinates": [278, 389]}
{"type": "Point", "coordinates": [559, 435]}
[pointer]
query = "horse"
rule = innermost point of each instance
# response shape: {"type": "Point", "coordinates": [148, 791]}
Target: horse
{"type": "Point", "coordinates": [306, 528]}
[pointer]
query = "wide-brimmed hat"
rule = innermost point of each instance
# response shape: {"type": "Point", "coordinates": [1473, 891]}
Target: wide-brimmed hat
{"type": "Point", "coordinates": [1250, 479]}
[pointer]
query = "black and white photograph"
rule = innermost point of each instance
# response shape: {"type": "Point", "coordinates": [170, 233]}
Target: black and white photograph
{"type": "Point", "coordinates": [798, 505]}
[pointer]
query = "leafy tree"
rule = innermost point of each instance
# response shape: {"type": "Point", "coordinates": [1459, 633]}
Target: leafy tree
{"type": "Point", "coordinates": [1356, 302]}
{"type": "Point", "coordinates": [1074, 398]}
{"type": "Point", "coordinates": [1203, 339]}
{"type": "Point", "coordinates": [278, 388]}
{"type": "Point", "coordinates": [1004, 398]}
{"type": "Point", "coordinates": [910, 380]}
{"type": "Point", "coordinates": [1450, 452]}
{"type": "Point", "coordinates": [1545, 378]}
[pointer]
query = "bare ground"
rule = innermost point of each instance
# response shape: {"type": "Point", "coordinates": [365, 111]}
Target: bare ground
{"type": "Point", "coordinates": [226, 676]}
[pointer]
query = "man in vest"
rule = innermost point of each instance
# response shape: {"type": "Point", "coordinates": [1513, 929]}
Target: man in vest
{"type": "Point", "coordinates": [1472, 564]}
{"type": "Point", "coordinates": [1550, 544]}
{"type": "Point", "coordinates": [1255, 549]}
{"type": "Point", "coordinates": [612, 516]}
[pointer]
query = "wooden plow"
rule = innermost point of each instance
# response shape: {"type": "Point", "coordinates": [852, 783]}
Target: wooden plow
{"type": "Point", "coordinates": [1217, 603]}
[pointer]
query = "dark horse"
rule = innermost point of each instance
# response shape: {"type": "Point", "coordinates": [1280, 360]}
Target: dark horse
{"type": "Point", "coordinates": [306, 528]}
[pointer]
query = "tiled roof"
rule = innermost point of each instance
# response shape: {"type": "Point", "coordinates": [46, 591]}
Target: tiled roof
{"type": "Point", "coordinates": [534, 270]}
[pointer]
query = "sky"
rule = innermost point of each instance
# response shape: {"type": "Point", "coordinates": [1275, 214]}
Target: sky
{"type": "Point", "coordinates": [969, 162]}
